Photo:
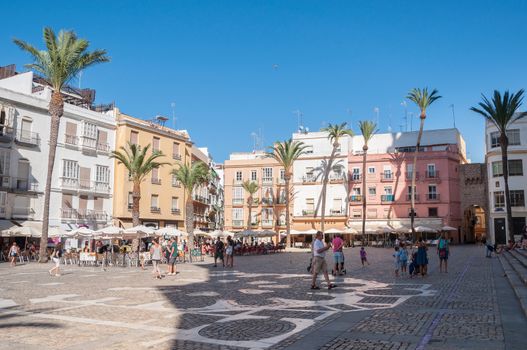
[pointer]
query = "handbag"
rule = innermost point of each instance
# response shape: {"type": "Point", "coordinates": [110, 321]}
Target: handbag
{"type": "Point", "coordinates": [310, 265]}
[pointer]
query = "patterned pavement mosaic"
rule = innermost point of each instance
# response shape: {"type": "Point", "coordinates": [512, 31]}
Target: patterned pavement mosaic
{"type": "Point", "coordinates": [263, 303]}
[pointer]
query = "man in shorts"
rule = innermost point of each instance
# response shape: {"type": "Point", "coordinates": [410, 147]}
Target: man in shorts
{"type": "Point", "coordinates": [218, 252]}
{"type": "Point", "coordinates": [172, 248]}
{"type": "Point", "coordinates": [338, 255]}
{"type": "Point", "coordinates": [319, 261]}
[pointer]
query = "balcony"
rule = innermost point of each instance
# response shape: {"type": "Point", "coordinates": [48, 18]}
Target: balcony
{"type": "Point", "coordinates": [176, 156]}
{"type": "Point", "coordinates": [356, 177]}
{"type": "Point", "coordinates": [432, 175]}
{"type": "Point", "coordinates": [27, 138]}
{"type": "Point", "coordinates": [89, 144]}
{"type": "Point", "coordinates": [267, 201]}
{"type": "Point", "coordinates": [409, 197]}
{"type": "Point", "coordinates": [309, 178]}
{"type": "Point", "coordinates": [24, 185]}
{"type": "Point", "coordinates": [387, 198]}
{"type": "Point", "coordinates": [266, 223]}
{"type": "Point", "coordinates": [336, 178]}
{"type": "Point", "coordinates": [237, 223]}
{"type": "Point", "coordinates": [155, 181]}
{"type": "Point", "coordinates": [409, 176]}
{"type": "Point", "coordinates": [337, 212]}
{"type": "Point", "coordinates": [280, 181]}
{"type": "Point", "coordinates": [356, 198]}
{"type": "Point", "coordinates": [22, 212]}
{"type": "Point", "coordinates": [201, 199]}
{"type": "Point", "coordinates": [280, 223]}
{"type": "Point", "coordinates": [432, 197]}
{"type": "Point", "coordinates": [155, 210]}
{"type": "Point", "coordinates": [254, 224]}
{"type": "Point", "coordinates": [256, 201]}
{"type": "Point", "coordinates": [101, 187]}
{"type": "Point", "coordinates": [84, 185]}
{"type": "Point", "coordinates": [308, 212]}
{"type": "Point", "coordinates": [176, 183]}
{"type": "Point", "coordinates": [68, 213]}
{"type": "Point", "coordinates": [387, 177]}
{"type": "Point", "coordinates": [83, 214]}
{"type": "Point", "coordinates": [103, 147]}
{"type": "Point", "coordinates": [281, 201]}
{"type": "Point", "coordinates": [267, 180]}
{"type": "Point", "coordinates": [175, 211]}
{"type": "Point", "coordinates": [237, 201]}
{"type": "Point", "coordinates": [6, 134]}
{"type": "Point", "coordinates": [71, 140]}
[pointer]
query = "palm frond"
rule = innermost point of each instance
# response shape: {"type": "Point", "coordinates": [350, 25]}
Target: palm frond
{"type": "Point", "coordinates": [250, 186]}
{"type": "Point", "coordinates": [336, 131]}
{"type": "Point", "coordinates": [422, 98]}
{"type": "Point", "coordinates": [133, 157]}
{"type": "Point", "coordinates": [286, 152]}
{"type": "Point", "coordinates": [501, 110]}
{"type": "Point", "coordinates": [368, 129]}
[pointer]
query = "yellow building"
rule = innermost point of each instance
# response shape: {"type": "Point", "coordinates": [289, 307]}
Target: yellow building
{"type": "Point", "coordinates": [162, 197]}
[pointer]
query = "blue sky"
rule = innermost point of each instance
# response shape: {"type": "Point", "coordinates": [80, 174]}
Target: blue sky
{"type": "Point", "coordinates": [336, 60]}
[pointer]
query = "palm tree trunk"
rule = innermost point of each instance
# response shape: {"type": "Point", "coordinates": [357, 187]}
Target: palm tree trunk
{"type": "Point", "coordinates": [325, 187]}
{"type": "Point", "coordinates": [504, 142]}
{"type": "Point", "coordinates": [189, 223]}
{"type": "Point", "coordinates": [56, 110]}
{"type": "Point", "coordinates": [364, 191]}
{"type": "Point", "coordinates": [250, 202]}
{"type": "Point", "coordinates": [414, 172]}
{"type": "Point", "coordinates": [287, 221]}
{"type": "Point", "coordinates": [136, 198]}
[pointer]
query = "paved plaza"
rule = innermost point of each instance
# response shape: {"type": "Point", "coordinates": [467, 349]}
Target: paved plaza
{"type": "Point", "coordinates": [263, 303]}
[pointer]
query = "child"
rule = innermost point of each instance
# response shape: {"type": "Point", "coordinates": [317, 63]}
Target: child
{"type": "Point", "coordinates": [363, 258]}
{"type": "Point", "coordinates": [396, 261]}
{"type": "Point", "coordinates": [403, 258]}
{"type": "Point", "coordinates": [413, 268]}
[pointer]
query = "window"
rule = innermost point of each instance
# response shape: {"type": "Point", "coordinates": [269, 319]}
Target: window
{"type": "Point", "coordinates": [517, 198]}
{"type": "Point", "coordinates": [515, 167]}
{"type": "Point", "coordinates": [237, 214]}
{"type": "Point", "coordinates": [387, 172]}
{"type": "Point", "coordinates": [70, 169]}
{"type": "Point", "coordinates": [432, 212]}
{"type": "Point", "coordinates": [371, 214]}
{"type": "Point", "coordinates": [175, 203]}
{"type": "Point", "coordinates": [308, 150]}
{"type": "Point", "coordinates": [130, 200]}
{"type": "Point", "coordinates": [4, 161]}
{"type": "Point", "coordinates": [237, 193]}
{"type": "Point", "coordinates": [282, 174]}
{"type": "Point", "coordinates": [238, 176]}
{"type": "Point", "coordinates": [154, 200]}
{"type": "Point", "coordinates": [337, 206]}
{"type": "Point", "coordinates": [497, 168]}
{"type": "Point", "coordinates": [155, 144]}
{"type": "Point", "coordinates": [388, 190]}
{"type": "Point", "coordinates": [431, 170]}
{"type": "Point", "coordinates": [432, 192]}
{"type": "Point", "coordinates": [134, 135]}
{"type": "Point", "coordinates": [355, 191]}
{"type": "Point", "coordinates": [254, 218]}
{"type": "Point", "coordinates": [513, 135]}
{"type": "Point", "coordinates": [499, 199]}
{"type": "Point", "coordinates": [89, 130]}
{"type": "Point", "coordinates": [175, 182]}
{"type": "Point", "coordinates": [254, 175]}
{"type": "Point", "coordinates": [155, 175]}
{"type": "Point", "coordinates": [25, 130]}
{"type": "Point", "coordinates": [371, 170]}
{"type": "Point", "coordinates": [175, 151]}
{"type": "Point", "coordinates": [357, 213]}
{"type": "Point", "coordinates": [355, 175]}
{"type": "Point", "coordinates": [372, 191]}
{"type": "Point", "coordinates": [409, 195]}
{"type": "Point", "coordinates": [102, 174]}
{"type": "Point", "coordinates": [310, 204]}
{"type": "Point", "coordinates": [3, 201]}
{"type": "Point", "coordinates": [267, 174]}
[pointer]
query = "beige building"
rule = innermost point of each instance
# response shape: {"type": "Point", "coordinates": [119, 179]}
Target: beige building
{"type": "Point", "coordinates": [162, 197]}
{"type": "Point", "coordinates": [268, 209]}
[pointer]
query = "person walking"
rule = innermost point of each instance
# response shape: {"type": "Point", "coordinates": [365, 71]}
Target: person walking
{"type": "Point", "coordinates": [363, 256]}
{"type": "Point", "coordinates": [229, 252]}
{"type": "Point", "coordinates": [319, 261]}
{"type": "Point", "coordinates": [56, 255]}
{"type": "Point", "coordinates": [403, 258]}
{"type": "Point", "coordinates": [443, 251]}
{"type": "Point", "coordinates": [218, 252]}
{"type": "Point", "coordinates": [396, 261]}
{"type": "Point", "coordinates": [155, 252]}
{"type": "Point", "coordinates": [14, 252]}
{"type": "Point", "coordinates": [338, 255]}
{"type": "Point", "coordinates": [173, 252]}
{"type": "Point", "coordinates": [422, 258]}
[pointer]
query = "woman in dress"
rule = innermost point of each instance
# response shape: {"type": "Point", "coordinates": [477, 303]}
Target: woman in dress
{"type": "Point", "coordinates": [422, 258]}
{"type": "Point", "coordinates": [56, 256]}
{"type": "Point", "coordinates": [155, 253]}
{"type": "Point", "coordinates": [229, 252]}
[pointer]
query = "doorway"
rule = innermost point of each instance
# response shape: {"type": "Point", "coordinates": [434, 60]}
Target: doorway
{"type": "Point", "coordinates": [499, 231]}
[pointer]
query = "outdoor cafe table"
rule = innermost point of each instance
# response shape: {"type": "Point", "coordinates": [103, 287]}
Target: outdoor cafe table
{"type": "Point", "coordinates": [85, 258]}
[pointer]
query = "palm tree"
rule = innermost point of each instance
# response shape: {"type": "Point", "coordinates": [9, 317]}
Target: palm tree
{"type": "Point", "coordinates": [139, 164]}
{"type": "Point", "coordinates": [367, 129]}
{"type": "Point", "coordinates": [335, 132]}
{"type": "Point", "coordinates": [285, 153]}
{"type": "Point", "coordinates": [503, 111]}
{"type": "Point", "coordinates": [65, 57]}
{"type": "Point", "coordinates": [190, 177]}
{"type": "Point", "coordinates": [250, 187]}
{"type": "Point", "coordinates": [423, 99]}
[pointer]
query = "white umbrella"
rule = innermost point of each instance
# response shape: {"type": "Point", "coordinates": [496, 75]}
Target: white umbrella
{"type": "Point", "coordinates": [80, 232]}
{"type": "Point", "coordinates": [170, 231]}
{"type": "Point", "coordinates": [333, 231]}
{"type": "Point", "coordinates": [137, 229]}
{"type": "Point", "coordinates": [310, 232]}
{"type": "Point", "coordinates": [351, 230]}
{"type": "Point", "coordinates": [295, 232]}
{"type": "Point", "coordinates": [266, 233]}
{"type": "Point", "coordinates": [216, 234]}
{"type": "Point", "coordinates": [424, 229]}
{"type": "Point", "coordinates": [198, 232]}
{"type": "Point", "coordinates": [56, 232]}
{"type": "Point", "coordinates": [228, 233]}
{"type": "Point", "coordinates": [109, 230]}
{"type": "Point", "coordinates": [385, 229]}
{"type": "Point", "coordinates": [246, 233]}
{"type": "Point", "coordinates": [448, 228]}
{"type": "Point", "coordinates": [26, 231]}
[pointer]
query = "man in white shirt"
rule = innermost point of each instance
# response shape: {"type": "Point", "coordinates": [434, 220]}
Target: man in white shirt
{"type": "Point", "coordinates": [319, 261]}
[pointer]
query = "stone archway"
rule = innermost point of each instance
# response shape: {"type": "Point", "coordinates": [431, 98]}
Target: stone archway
{"type": "Point", "coordinates": [474, 228]}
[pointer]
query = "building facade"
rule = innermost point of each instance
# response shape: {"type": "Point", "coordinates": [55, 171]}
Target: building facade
{"type": "Point", "coordinates": [309, 172]}
{"type": "Point", "coordinates": [388, 179]}
{"type": "Point", "coordinates": [268, 207]}
{"type": "Point", "coordinates": [82, 183]}
{"type": "Point", "coordinates": [517, 154]}
{"type": "Point", "coordinates": [474, 203]}
{"type": "Point", "coordinates": [162, 196]}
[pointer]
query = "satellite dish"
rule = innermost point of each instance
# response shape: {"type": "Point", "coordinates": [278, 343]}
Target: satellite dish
{"type": "Point", "coordinates": [307, 130]}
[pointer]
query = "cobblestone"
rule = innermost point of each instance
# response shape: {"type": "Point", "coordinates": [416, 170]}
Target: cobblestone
{"type": "Point", "coordinates": [360, 344]}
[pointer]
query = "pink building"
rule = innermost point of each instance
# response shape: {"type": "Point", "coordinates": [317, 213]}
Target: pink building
{"type": "Point", "coordinates": [389, 175]}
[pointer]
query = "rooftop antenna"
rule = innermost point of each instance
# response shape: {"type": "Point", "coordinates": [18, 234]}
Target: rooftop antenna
{"type": "Point", "coordinates": [173, 105]}
{"type": "Point", "coordinates": [376, 110]}
{"type": "Point", "coordinates": [255, 140]}
{"type": "Point", "coordinates": [453, 115]}
{"type": "Point", "coordinates": [299, 115]}
{"type": "Point", "coordinates": [411, 121]}
{"type": "Point", "coordinates": [405, 105]}
{"type": "Point", "coordinates": [260, 139]}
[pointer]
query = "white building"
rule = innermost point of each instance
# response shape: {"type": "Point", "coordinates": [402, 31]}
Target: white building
{"type": "Point", "coordinates": [517, 152]}
{"type": "Point", "coordinates": [308, 175]}
{"type": "Point", "coordinates": [82, 183]}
